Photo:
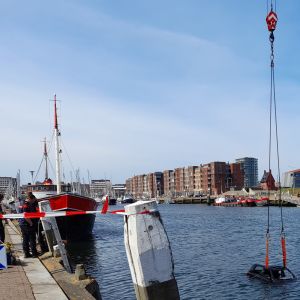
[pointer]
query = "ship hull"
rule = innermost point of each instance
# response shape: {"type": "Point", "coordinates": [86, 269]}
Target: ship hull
{"type": "Point", "coordinates": [78, 227]}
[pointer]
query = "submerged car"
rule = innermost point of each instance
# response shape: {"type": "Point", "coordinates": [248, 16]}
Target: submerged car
{"type": "Point", "coordinates": [271, 274]}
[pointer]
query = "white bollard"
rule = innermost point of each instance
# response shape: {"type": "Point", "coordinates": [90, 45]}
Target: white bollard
{"type": "Point", "coordinates": [149, 253]}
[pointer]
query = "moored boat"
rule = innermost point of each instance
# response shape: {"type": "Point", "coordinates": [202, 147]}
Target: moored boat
{"type": "Point", "coordinates": [127, 199]}
{"type": "Point", "coordinates": [112, 201]}
{"type": "Point", "coordinates": [60, 197]}
{"type": "Point", "coordinates": [262, 201]}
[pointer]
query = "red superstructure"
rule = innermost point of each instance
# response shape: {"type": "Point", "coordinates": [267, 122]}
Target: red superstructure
{"type": "Point", "coordinates": [72, 202]}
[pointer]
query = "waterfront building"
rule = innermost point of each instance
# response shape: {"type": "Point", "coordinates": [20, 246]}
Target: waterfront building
{"type": "Point", "coordinates": [150, 185]}
{"type": "Point", "coordinates": [145, 186]}
{"type": "Point", "coordinates": [146, 191]}
{"type": "Point", "coordinates": [118, 190]}
{"type": "Point", "coordinates": [235, 177]}
{"type": "Point", "coordinates": [168, 182]}
{"type": "Point", "coordinates": [213, 178]}
{"type": "Point", "coordinates": [158, 185]}
{"type": "Point", "coordinates": [197, 183]}
{"type": "Point", "coordinates": [179, 181]}
{"type": "Point", "coordinates": [139, 192]}
{"type": "Point", "coordinates": [250, 169]}
{"type": "Point", "coordinates": [135, 190]}
{"type": "Point", "coordinates": [268, 182]}
{"type": "Point", "coordinates": [128, 185]}
{"type": "Point", "coordinates": [218, 177]}
{"type": "Point", "coordinates": [291, 179]}
{"type": "Point", "coordinates": [7, 183]}
{"type": "Point", "coordinates": [190, 173]}
{"type": "Point", "coordinates": [100, 187]}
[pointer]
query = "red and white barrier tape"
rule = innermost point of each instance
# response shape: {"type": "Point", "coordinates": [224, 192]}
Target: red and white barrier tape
{"type": "Point", "coordinates": [36, 215]}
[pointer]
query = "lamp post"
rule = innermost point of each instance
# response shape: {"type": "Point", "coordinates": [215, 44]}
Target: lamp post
{"type": "Point", "coordinates": [31, 172]}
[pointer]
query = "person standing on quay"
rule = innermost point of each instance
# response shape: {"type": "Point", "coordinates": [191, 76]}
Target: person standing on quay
{"type": "Point", "coordinates": [37, 225]}
{"type": "Point", "coordinates": [2, 230]}
{"type": "Point", "coordinates": [28, 228]}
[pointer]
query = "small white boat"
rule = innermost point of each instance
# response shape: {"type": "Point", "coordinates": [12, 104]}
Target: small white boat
{"type": "Point", "coordinates": [220, 200]}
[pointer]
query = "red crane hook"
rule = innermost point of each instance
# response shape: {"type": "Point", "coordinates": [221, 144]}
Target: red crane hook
{"type": "Point", "coordinates": [271, 20]}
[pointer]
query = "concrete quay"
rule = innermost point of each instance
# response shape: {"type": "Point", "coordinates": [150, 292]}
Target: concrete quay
{"type": "Point", "coordinates": [29, 279]}
{"type": "Point", "coordinates": [287, 201]}
{"type": "Point", "coordinates": [188, 200]}
{"type": "Point", "coordinates": [41, 278]}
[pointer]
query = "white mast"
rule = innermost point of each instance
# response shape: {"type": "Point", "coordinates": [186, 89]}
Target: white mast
{"type": "Point", "coordinates": [57, 149]}
{"type": "Point", "coordinates": [46, 159]}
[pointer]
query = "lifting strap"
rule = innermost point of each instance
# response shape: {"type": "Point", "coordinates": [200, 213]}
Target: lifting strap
{"type": "Point", "coordinates": [267, 251]}
{"type": "Point", "coordinates": [271, 20]}
{"type": "Point", "coordinates": [283, 250]}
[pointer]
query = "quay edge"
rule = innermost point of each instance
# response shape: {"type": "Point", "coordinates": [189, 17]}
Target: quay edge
{"type": "Point", "coordinates": [47, 277]}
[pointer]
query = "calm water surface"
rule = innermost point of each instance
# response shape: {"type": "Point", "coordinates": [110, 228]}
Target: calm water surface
{"type": "Point", "coordinates": [213, 248]}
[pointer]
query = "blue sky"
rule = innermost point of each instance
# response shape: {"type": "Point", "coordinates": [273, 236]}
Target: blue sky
{"type": "Point", "coordinates": [146, 85]}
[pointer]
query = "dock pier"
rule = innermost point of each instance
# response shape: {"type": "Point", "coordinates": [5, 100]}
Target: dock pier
{"type": "Point", "coordinates": [42, 278]}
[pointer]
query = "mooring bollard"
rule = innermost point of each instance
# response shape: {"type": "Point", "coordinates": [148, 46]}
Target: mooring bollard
{"type": "Point", "coordinates": [149, 253]}
{"type": "Point", "coordinates": [80, 272]}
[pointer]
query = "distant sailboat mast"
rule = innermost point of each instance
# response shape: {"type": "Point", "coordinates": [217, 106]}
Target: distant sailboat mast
{"type": "Point", "coordinates": [46, 159]}
{"type": "Point", "coordinates": [57, 149]}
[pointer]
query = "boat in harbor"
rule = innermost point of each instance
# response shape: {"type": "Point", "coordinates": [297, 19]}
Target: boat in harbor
{"type": "Point", "coordinates": [262, 201]}
{"type": "Point", "coordinates": [220, 200]}
{"type": "Point", "coordinates": [127, 199]}
{"type": "Point", "coordinates": [61, 198]}
{"type": "Point", "coordinates": [111, 200]}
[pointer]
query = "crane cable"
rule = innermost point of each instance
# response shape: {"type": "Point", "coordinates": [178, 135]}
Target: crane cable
{"type": "Point", "coordinates": [271, 22]}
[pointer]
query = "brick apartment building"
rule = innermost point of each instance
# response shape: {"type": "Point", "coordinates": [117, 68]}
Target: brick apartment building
{"type": "Point", "coordinates": [213, 178]}
{"type": "Point", "coordinates": [179, 181]}
{"type": "Point", "coordinates": [236, 176]}
{"type": "Point", "coordinates": [149, 186]}
{"type": "Point", "coordinates": [169, 182]}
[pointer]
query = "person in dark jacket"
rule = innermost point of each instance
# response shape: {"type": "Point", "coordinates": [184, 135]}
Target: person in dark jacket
{"type": "Point", "coordinates": [38, 225]}
{"type": "Point", "coordinates": [2, 230]}
{"type": "Point", "coordinates": [28, 228]}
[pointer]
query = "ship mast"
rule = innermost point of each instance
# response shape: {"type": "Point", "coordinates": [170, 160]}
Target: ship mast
{"type": "Point", "coordinates": [46, 159]}
{"type": "Point", "coordinates": [57, 149]}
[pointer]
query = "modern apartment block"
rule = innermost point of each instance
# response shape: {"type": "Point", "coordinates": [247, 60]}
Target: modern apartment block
{"type": "Point", "coordinates": [250, 169]}
{"type": "Point", "coordinates": [100, 187]}
{"type": "Point", "coordinates": [169, 183]}
{"type": "Point", "coordinates": [197, 183]}
{"type": "Point", "coordinates": [190, 176]}
{"type": "Point", "coordinates": [118, 190]}
{"type": "Point", "coordinates": [158, 184]}
{"type": "Point", "coordinates": [179, 181]}
{"type": "Point", "coordinates": [291, 179]}
{"type": "Point", "coordinates": [213, 178]}
{"type": "Point", "coordinates": [128, 185]}
{"type": "Point", "coordinates": [7, 182]}
{"type": "Point", "coordinates": [145, 186]}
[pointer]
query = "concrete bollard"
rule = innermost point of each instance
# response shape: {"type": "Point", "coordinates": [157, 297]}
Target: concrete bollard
{"type": "Point", "coordinates": [80, 272]}
{"type": "Point", "coordinates": [149, 253]}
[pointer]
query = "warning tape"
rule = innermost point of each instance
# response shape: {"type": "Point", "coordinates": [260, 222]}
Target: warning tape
{"type": "Point", "coordinates": [51, 214]}
{"type": "Point", "coordinates": [36, 215]}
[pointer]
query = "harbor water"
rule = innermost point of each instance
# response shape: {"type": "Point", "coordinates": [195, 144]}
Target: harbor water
{"type": "Point", "coordinates": [213, 248]}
